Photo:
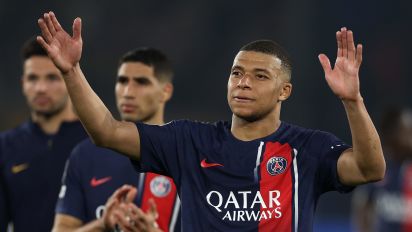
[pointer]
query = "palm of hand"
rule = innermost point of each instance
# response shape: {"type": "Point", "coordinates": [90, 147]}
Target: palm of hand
{"type": "Point", "coordinates": [344, 79]}
{"type": "Point", "coordinates": [65, 51]}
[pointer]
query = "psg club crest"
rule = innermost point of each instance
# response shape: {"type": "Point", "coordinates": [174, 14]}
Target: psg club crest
{"type": "Point", "coordinates": [160, 186]}
{"type": "Point", "coordinates": [276, 165]}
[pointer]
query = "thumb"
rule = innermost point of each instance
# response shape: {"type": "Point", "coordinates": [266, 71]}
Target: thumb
{"type": "Point", "coordinates": [77, 29]}
{"type": "Point", "coordinates": [324, 61]}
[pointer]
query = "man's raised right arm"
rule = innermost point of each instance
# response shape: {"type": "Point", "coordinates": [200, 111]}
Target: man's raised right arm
{"type": "Point", "coordinates": [65, 51]}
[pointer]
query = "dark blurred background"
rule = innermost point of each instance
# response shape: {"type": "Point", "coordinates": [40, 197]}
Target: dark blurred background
{"type": "Point", "coordinates": [202, 38]}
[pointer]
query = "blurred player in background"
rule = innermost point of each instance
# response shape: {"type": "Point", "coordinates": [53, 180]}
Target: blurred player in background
{"type": "Point", "coordinates": [143, 87]}
{"type": "Point", "coordinates": [255, 173]}
{"type": "Point", "coordinates": [387, 205]}
{"type": "Point", "coordinates": [33, 155]}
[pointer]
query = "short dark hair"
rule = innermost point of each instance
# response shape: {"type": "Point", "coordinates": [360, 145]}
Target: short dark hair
{"type": "Point", "coordinates": [162, 66]}
{"type": "Point", "coordinates": [32, 48]}
{"type": "Point", "coordinates": [271, 48]}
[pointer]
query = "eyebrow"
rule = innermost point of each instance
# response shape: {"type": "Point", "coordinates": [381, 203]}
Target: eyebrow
{"type": "Point", "coordinates": [141, 77]}
{"type": "Point", "coordinates": [254, 70]}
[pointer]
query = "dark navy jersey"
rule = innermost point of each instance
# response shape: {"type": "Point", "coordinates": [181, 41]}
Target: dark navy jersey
{"type": "Point", "coordinates": [268, 184]}
{"type": "Point", "coordinates": [31, 167]}
{"type": "Point", "coordinates": [391, 198]}
{"type": "Point", "coordinates": [94, 173]}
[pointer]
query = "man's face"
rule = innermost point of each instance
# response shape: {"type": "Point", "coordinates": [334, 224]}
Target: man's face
{"type": "Point", "coordinates": [255, 85]}
{"type": "Point", "coordinates": [138, 92]}
{"type": "Point", "coordinates": [43, 86]}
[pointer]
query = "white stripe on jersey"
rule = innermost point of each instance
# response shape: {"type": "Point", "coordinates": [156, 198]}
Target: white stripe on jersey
{"type": "Point", "coordinates": [175, 213]}
{"type": "Point", "coordinates": [296, 200]}
{"type": "Point", "coordinates": [142, 175]}
{"type": "Point", "coordinates": [259, 154]}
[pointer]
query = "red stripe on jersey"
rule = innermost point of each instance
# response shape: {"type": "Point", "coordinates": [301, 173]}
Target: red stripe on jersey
{"type": "Point", "coordinates": [407, 196]}
{"type": "Point", "coordinates": [163, 191]}
{"type": "Point", "coordinates": [276, 187]}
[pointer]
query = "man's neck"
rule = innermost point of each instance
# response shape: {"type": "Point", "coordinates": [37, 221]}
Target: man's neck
{"type": "Point", "coordinates": [157, 119]}
{"type": "Point", "coordinates": [51, 124]}
{"type": "Point", "coordinates": [247, 131]}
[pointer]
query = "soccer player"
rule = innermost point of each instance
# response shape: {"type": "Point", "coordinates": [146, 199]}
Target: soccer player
{"type": "Point", "coordinates": [143, 87]}
{"type": "Point", "coordinates": [33, 155]}
{"type": "Point", "coordinates": [387, 205]}
{"type": "Point", "coordinates": [255, 173]}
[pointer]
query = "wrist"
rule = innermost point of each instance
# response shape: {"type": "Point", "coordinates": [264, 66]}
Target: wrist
{"type": "Point", "coordinates": [72, 71]}
{"type": "Point", "coordinates": [355, 104]}
{"type": "Point", "coordinates": [100, 223]}
{"type": "Point", "coordinates": [355, 100]}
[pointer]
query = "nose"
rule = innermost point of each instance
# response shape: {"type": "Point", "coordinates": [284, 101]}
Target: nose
{"type": "Point", "coordinates": [244, 82]}
{"type": "Point", "coordinates": [128, 91]}
{"type": "Point", "coordinates": [41, 86]}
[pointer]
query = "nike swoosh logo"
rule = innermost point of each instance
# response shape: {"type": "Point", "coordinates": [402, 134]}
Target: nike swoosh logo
{"type": "Point", "coordinates": [96, 182]}
{"type": "Point", "coordinates": [205, 164]}
{"type": "Point", "coordinates": [19, 168]}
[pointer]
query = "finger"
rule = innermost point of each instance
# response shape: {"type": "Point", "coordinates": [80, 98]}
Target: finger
{"type": "Point", "coordinates": [144, 221]}
{"type": "Point", "coordinates": [43, 43]}
{"type": "Point", "coordinates": [77, 29]}
{"type": "Point", "coordinates": [339, 40]}
{"type": "Point", "coordinates": [49, 24]}
{"type": "Point", "coordinates": [121, 192]}
{"type": "Point", "coordinates": [44, 30]}
{"type": "Point", "coordinates": [351, 47]}
{"type": "Point", "coordinates": [359, 50]}
{"type": "Point", "coordinates": [139, 219]}
{"type": "Point", "coordinates": [153, 208]}
{"type": "Point", "coordinates": [344, 42]}
{"type": "Point", "coordinates": [123, 221]}
{"type": "Point", "coordinates": [131, 195]}
{"type": "Point", "coordinates": [55, 22]}
{"type": "Point", "coordinates": [324, 61]}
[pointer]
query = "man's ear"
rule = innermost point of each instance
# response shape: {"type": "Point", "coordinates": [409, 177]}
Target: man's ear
{"type": "Point", "coordinates": [285, 91]}
{"type": "Point", "coordinates": [167, 91]}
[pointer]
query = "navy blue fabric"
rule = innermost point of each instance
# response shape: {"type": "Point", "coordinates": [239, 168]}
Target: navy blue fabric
{"type": "Point", "coordinates": [178, 148]}
{"type": "Point", "coordinates": [31, 167]}
{"type": "Point", "coordinates": [81, 198]}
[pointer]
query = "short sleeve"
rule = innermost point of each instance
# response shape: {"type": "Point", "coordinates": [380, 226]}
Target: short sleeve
{"type": "Point", "coordinates": [330, 148]}
{"type": "Point", "coordinates": [71, 200]}
{"type": "Point", "coordinates": [162, 148]}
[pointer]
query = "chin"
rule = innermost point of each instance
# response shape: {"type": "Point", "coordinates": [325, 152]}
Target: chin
{"type": "Point", "coordinates": [130, 118]}
{"type": "Point", "coordinates": [246, 115]}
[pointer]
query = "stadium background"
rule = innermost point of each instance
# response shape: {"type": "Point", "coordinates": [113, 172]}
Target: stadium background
{"type": "Point", "coordinates": [202, 37]}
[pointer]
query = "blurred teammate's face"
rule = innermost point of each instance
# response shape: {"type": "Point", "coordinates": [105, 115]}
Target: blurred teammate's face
{"type": "Point", "coordinates": [255, 85]}
{"type": "Point", "coordinates": [138, 92]}
{"type": "Point", "coordinates": [43, 86]}
{"type": "Point", "coordinates": [404, 134]}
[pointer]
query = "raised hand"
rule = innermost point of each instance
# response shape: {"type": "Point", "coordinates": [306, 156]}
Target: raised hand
{"type": "Point", "coordinates": [343, 79]}
{"type": "Point", "coordinates": [63, 49]}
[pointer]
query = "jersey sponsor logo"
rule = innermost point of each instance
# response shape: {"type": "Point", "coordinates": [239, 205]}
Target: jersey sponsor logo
{"type": "Point", "coordinates": [99, 211]}
{"type": "Point", "coordinates": [276, 165]}
{"type": "Point", "coordinates": [160, 186]}
{"type": "Point", "coordinates": [19, 168]}
{"type": "Point", "coordinates": [239, 206]}
{"type": "Point", "coordinates": [96, 182]}
{"type": "Point", "coordinates": [205, 164]}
